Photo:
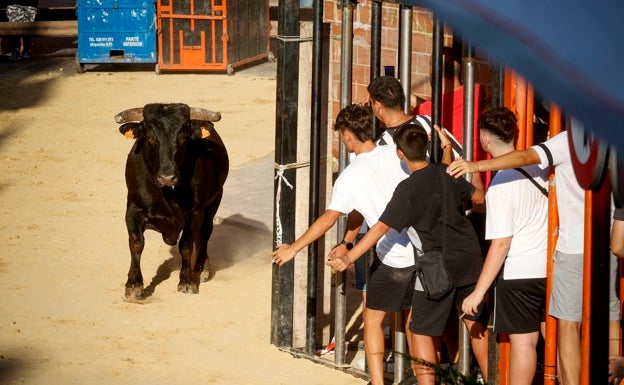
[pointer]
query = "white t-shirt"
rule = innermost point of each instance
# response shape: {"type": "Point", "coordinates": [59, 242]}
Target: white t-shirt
{"type": "Point", "coordinates": [366, 185]}
{"type": "Point", "coordinates": [517, 208]}
{"type": "Point", "coordinates": [570, 195]}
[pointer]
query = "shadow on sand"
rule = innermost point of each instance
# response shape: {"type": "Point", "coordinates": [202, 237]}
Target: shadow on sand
{"type": "Point", "coordinates": [233, 240]}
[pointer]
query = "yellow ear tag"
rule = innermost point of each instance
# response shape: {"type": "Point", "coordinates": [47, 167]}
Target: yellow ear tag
{"type": "Point", "coordinates": [129, 134]}
{"type": "Point", "coordinates": [205, 132]}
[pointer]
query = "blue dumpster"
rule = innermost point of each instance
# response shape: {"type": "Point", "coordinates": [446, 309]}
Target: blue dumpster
{"type": "Point", "coordinates": [116, 31]}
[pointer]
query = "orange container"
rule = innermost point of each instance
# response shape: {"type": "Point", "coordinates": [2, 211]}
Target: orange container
{"type": "Point", "coordinates": [211, 35]}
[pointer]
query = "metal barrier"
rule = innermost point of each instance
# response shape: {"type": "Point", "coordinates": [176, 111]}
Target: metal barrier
{"type": "Point", "coordinates": [211, 34]}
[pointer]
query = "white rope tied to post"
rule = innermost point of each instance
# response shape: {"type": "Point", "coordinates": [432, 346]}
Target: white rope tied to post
{"type": "Point", "coordinates": [279, 173]}
{"type": "Point", "coordinates": [293, 38]}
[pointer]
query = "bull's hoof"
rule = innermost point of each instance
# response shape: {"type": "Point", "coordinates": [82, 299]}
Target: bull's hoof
{"type": "Point", "coordinates": [204, 276]}
{"type": "Point", "coordinates": [134, 294]}
{"type": "Point", "coordinates": [188, 288]}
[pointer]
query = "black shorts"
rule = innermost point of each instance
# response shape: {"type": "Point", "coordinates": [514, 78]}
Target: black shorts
{"type": "Point", "coordinates": [429, 317]}
{"type": "Point", "coordinates": [390, 288]}
{"type": "Point", "coordinates": [519, 305]}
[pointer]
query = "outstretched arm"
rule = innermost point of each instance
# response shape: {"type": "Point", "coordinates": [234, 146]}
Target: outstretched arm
{"type": "Point", "coordinates": [341, 263]}
{"type": "Point", "coordinates": [285, 252]}
{"type": "Point", "coordinates": [513, 159]}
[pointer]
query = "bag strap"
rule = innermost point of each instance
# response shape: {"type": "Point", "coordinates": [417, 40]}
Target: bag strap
{"type": "Point", "coordinates": [444, 212]}
{"type": "Point", "coordinates": [548, 153]}
{"type": "Point", "coordinates": [526, 174]}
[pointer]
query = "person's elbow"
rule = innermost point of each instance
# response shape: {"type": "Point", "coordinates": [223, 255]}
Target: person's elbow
{"type": "Point", "coordinates": [478, 197]}
{"type": "Point", "coordinates": [617, 248]}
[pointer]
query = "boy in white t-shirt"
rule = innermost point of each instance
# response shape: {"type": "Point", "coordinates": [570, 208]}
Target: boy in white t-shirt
{"type": "Point", "coordinates": [567, 294]}
{"type": "Point", "coordinates": [516, 224]}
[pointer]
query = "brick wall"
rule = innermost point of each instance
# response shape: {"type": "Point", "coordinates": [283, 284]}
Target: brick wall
{"type": "Point", "coordinates": [422, 28]}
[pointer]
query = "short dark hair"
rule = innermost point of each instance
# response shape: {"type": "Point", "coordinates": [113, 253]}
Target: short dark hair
{"type": "Point", "coordinates": [358, 119]}
{"type": "Point", "coordinates": [413, 141]}
{"type": "Point", "coordinates": [500, 122]}
{"type": "Point", "coordinates": [388, 91]}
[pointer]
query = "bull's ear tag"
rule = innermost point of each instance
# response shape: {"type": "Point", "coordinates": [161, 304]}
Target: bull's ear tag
{"type": "Point", "coordinates": [205, 132]}
{"type": "Point", "coordinates": [129, 134]}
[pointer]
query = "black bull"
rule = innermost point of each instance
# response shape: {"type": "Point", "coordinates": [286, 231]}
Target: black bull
{"type": "Point", "coordinates": [175, 174]}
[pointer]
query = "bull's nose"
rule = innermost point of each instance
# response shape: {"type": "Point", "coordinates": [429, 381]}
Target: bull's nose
{"type": "Point", "coordinates": [167, 180]}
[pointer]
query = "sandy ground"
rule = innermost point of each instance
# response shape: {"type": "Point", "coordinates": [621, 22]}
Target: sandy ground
{"type": "Point", "coordinates": [64, 255]}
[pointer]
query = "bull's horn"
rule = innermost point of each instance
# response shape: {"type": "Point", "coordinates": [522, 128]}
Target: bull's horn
{"type": "Point", "coordinates": [198, 113]}
{"type": "Point", "coordinates": [130, 115]}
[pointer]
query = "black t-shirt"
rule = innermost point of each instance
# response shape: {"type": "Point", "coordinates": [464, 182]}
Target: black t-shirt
{"type": "Point", "coordinates": [417, 202]}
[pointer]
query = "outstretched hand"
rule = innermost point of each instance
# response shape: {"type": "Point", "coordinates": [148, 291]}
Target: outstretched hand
{"type": "Point", "coordinates": [471, 303]}
{"type": "Point", "coordinates": [444, 138]}
{"type": "Point", "coordinates": [283, 253]}
{"type": "Point", "coordinates": [337, 258]}
{"type": "Point", "coordinates": [459, 167]}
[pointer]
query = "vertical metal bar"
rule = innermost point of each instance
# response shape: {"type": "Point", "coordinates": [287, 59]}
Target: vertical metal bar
{"type": "Point", "coordinates": [550, 339]}
{"type": "Point", "coordinates": [469, 100]}
{"type": "Point", "coordinates": [498, 97]}
{"type": "Point", "coordinates": [315, 160]}
{"type": "Point", "coordinates": [346, 76]}
{"type": "Point", "coordinates": [509, 97]}
{"type": "Point", "coordinates": [498, 86]}
{"type": "Point", "coordinates": [530, 107]}
{"type": "Point", "coordinates": [405, 76]}
{"type": "Point", "coordinates": [375, 54]}
{"type": "Point", "coordinates": [285, 153]}
{"type": "Point", "coordinates": [436, 90]}
{"type": "Point", "coordinates": [405, 53]}
{"type": "Point", "coordinates": [595, 329]}
{"type": "Point", "coordinates": [463, 365]}
{"type": "Point", "coordinates": [521, 111]}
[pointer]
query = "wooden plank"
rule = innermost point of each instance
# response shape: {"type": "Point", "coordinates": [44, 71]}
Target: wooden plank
{"type": "Point", "coordinates": [62, 28]}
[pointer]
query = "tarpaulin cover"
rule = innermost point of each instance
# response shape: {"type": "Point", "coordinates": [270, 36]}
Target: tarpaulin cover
{"type": "Point", "coordinates": [572, 51]}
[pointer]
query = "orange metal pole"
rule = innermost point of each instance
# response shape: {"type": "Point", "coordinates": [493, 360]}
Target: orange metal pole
{"type": "Point", "coordinates": [587, 265]}
{"type": "Point", "coordinates": [550, 339]}
{"type": "Point", "coordinates": [509, 94]}
{"type": "Point", "coordinates": [521, 111]}
{"type": "Point", "coordinates": [504, 351]}
{"type": "Point", "coordinates": [530, 99]}
{"type": "Point", "coordinates": [515, 98]}
{"type": "Point", "coordinates": [225, 37]}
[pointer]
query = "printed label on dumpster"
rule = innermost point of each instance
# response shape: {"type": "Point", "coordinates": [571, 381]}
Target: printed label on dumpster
{"type": "Point", "coordinates": [101, 42]}
{"type": "Point", "coordinates": [132, 41]}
